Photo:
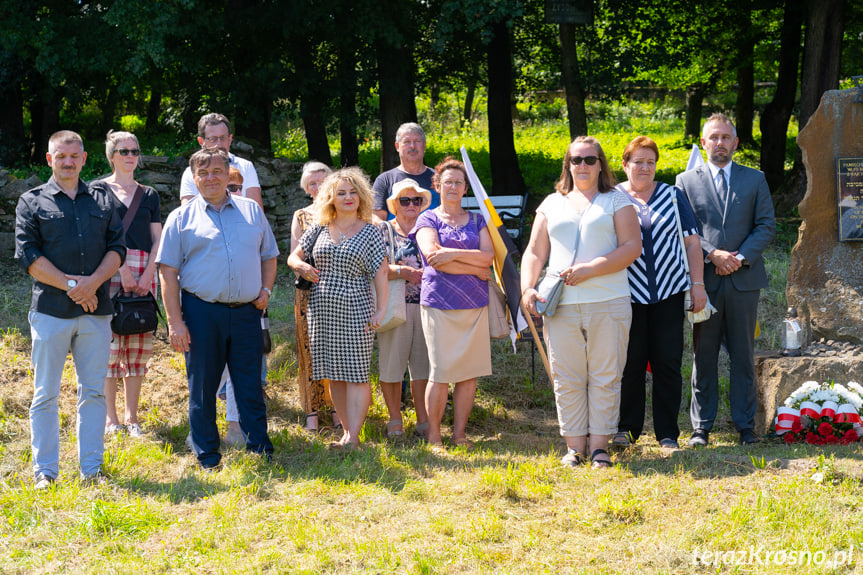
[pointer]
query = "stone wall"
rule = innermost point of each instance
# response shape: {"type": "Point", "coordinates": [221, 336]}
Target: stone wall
{"type": "Point", "coordinates": [280, 190]}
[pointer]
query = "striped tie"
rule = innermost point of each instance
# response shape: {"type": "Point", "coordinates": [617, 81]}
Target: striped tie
{"type": "Point", "coordinates": [722, 188]}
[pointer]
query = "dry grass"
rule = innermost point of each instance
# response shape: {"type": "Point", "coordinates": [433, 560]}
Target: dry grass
{"type": "Point", "coordinates": [507, 507]}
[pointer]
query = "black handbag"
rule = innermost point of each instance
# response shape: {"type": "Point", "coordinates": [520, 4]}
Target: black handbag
{"type": "Point", "coordinates": [134, 314]}
{"type": "Point", "coordinates": [301, 282]}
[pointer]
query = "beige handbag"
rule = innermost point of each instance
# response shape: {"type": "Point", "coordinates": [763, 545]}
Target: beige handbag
{"type": "Point", "coordinates": [498, 324]}
{"type": "Point", "coordinates": [396, 313]}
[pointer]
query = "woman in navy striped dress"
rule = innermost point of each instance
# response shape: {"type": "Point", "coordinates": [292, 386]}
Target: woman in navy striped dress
{"type": "Point", "coordinates": [657, 280]}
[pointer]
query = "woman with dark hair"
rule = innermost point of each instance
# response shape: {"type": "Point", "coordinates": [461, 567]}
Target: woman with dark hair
{"type": "Point", "coordinates": [588, 233]}
{"type": "Point", "coordinates": [348, 252]}
{"type": "Point", "coordinates": [130, 353]}
{"type": "Point", "coordinates": [457, 253]}
{"type": "Point", "coordinates": [657, 280]}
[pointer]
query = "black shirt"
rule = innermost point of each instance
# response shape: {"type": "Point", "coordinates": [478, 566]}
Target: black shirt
{"type": "Point", "coordinates": [139, 236]}
{"type": "Point", "coordinates": [74, 235]}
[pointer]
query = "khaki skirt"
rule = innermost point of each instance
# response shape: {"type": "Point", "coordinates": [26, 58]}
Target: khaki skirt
{"type": "Point", "coordinates": [458, 343]}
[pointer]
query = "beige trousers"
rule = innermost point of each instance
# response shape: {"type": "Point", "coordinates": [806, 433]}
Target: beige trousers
{"type": "Point", "coordinates": [587, 350]}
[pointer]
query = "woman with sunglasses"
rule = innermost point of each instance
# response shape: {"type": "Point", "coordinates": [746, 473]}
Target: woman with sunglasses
{"type": "Point", "coordinates": [405, 345]}
{"type": "Point", "coordinates": [130, 353]}
{"type": "Point", "coordinates": [588, 233]}
{"type": "Point", "coordinates": [658, 281]}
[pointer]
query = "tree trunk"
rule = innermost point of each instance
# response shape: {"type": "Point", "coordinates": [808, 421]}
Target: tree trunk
{"type": "Point", "coordinates": [468, 100]}
{"type": "Point", "coordinates": [254, 120]}
{"type": "Point", "coordinates": [396, 93]}
{"type": "Point", "coordinates": [822, 54]}
{"type": "Point", "coordinates": [312, 100]}
{"type": "Point", "coordinates": [108, 108]}
{"type": "Point", "coordinates": [505, 173]}
{"type": "Point", "coordinates": [572, 82]}
{"type": "Point", "coordinates": [822, 58]}
{"type": "Point", "coordinates": [777, 113]}
{"type": "Point", "coordinates": [694, 101]}
{"type": "Point", "coordinates": [13, 142]}
{"type": "Point", "coordinates": [347, 78]}
{"type": "Point", "coordinates": [154, 106]}
{"type": "Point", "coordinates": [744, 108]}
{"type": "Point", "coordinates": [45, 119]}
{"type": "Point", "coordinates": [316, 131]}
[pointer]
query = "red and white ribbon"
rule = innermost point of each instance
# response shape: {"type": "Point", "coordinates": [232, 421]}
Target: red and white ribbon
{"type": "Point", "coordinates": [785, 419]}
{"type": "Point", "coordinates": [829, 409]}
{"type": "Point", "coordinates": [847, 414]}
{"type": "Point", "coordinates": [810, 409]}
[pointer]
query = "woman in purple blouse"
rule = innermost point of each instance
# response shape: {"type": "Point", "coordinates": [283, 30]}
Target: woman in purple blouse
{"type": "Point", "coordinates": [457, 253]}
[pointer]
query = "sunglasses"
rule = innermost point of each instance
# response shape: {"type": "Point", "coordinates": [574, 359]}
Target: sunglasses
{"type": "Point", "coordinates": [125, 152]}
{"type": "Point", "coordinates": [589, 160]}
{"type": "Point", "coordinates": [405, 202]}
{"type": "Point", "coordinates": [235, 188]}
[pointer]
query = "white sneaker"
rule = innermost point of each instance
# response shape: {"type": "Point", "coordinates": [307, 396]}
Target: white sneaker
{"type": "Point", "coordinates": [114, 429]}
{"type": "Point", "coordinates": [189, 442]}
{"type": "Point", "coordinates": [134, 430]}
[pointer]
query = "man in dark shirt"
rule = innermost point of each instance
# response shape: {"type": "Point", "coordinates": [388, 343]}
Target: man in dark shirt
{"type": "Point", "coordinates": [70, 240]}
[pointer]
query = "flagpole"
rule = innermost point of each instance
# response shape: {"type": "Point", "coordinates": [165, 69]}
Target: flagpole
{"type": "Point", "coordinates": [538, 341]}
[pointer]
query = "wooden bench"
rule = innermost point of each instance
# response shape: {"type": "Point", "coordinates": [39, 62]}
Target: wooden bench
{"type": "Point", "coordinates": [509, 208]}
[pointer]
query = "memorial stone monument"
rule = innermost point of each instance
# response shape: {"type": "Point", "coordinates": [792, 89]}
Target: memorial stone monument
{"type": "Point", "coordinates": [825, 279]}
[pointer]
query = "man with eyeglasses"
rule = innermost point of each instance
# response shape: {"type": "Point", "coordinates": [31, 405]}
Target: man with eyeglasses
{"type": "Point", "coordinates": [214, 131]}
{"type": "Point", "coordinates": [69, 238]}
{"type": "Point", "coordinates": [411, 147]}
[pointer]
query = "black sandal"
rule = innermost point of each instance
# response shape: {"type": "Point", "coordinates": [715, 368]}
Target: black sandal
{"type": "Point", "coordinates": [339, 424]}
{"type": "Point", "coordinates": [599, 463]}
{"type": "Point", "coordinates": [572, 458]}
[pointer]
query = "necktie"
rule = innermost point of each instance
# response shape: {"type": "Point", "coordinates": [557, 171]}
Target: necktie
{"type": "Point", "coordinates": [722, 187]}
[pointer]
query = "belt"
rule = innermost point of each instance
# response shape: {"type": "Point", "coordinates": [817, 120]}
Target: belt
{"type": "Point", "coordinates": [231, 305]}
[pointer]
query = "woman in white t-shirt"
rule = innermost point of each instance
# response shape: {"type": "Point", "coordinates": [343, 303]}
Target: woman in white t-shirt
{"type": "Point", "coordinates": [587, 336]}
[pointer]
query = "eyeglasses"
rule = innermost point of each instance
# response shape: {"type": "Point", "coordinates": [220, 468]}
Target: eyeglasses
{"type": "Point", "coordinates": [589, 160]}
{"type": "Point", "coordinates": [217, 139]}
{"type": "Point", "coordinates": [235, 188]}
{"type": "Point", "coordinates": [405, 202]}
{"type": "Point", "coordinates": [126, 152]}
{"type": "Point", "coordinates": [453, 183]}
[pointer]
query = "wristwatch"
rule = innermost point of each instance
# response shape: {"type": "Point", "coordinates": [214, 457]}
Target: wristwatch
{"type": "Point", "coordinates": [268, 290]}
{"type": "Point", "coordinates": [70, 283]}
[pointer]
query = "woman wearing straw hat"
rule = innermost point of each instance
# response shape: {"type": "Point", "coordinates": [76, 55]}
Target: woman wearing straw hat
{"type": "Point", "coordinates": [405, 345]}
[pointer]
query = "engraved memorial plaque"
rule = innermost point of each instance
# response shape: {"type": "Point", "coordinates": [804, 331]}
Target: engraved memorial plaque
{"type": "Point", "coordinates": [569, 12]}
{"type": "Point", "coordinates": [849, 183]}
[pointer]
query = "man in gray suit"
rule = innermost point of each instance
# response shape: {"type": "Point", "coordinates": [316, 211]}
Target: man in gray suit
{"type": "Point", "coordinates": [735, 212]}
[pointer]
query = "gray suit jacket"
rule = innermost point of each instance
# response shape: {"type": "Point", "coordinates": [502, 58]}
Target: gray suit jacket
{"type": "Point", "coordinates": [746, 225]}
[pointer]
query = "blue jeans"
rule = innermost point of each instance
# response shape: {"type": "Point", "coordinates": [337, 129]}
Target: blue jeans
{"type": "Point", "coordinates": [89, 338]}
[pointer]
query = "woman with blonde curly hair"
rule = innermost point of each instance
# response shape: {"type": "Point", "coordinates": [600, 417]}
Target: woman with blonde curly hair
{"type": "Point", "coordinates": [348, 253]}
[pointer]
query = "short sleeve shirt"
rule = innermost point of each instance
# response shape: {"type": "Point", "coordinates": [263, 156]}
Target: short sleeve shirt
{"type": "Point", "coordinates": [384, 183]}
{"type": "Point", "coordinates": [659, 271]}
{"type": "Point", "coordinates": [218, 253]}
{"type": "Point", "coordinates": [441, 290]}
{"type": "Point", "coordinates": [597, 237]}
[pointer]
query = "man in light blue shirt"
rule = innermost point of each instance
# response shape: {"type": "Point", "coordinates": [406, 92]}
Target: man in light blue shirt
{"type": "Point", "coordinates": [217, 265]}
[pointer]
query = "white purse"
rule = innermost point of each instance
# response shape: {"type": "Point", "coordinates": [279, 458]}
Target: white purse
{"type": "Point", "coordinates": [396, 313]}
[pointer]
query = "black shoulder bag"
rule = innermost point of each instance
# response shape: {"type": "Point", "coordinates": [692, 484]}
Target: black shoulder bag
{"type": "Point", "coordinates": [301, 282]}
{"type": "Point", "coordinates": [134, 313]}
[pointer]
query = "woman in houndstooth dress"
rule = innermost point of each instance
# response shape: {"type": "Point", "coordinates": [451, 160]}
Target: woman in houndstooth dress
{"type": "Point", "coordinates": [348, 253]}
